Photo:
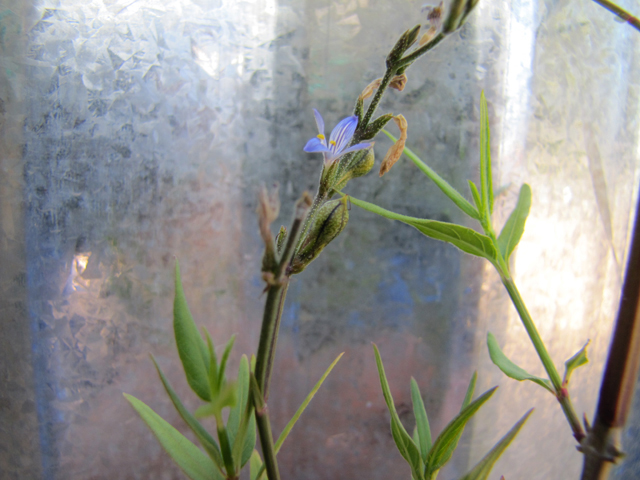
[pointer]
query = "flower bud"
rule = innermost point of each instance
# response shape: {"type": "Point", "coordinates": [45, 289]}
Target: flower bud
{"type": "Point", "coordinates": [329, 221]}
{"type": "Point", "coordinates": [374, 127]}
{"type": "Point", "coordinates": [407, 39]}
{"type": "Point", "coordinates": [280, 238]}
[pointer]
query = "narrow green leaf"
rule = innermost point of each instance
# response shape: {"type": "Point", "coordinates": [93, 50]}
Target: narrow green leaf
{"type": "Point", "coordinates": [509, 368]}
{"type": "Point", "coordinates": [466, 239]}
{"type": "Point", "coordinates": [296, 416]}
{"type": "Point", "coordinates": [441, 452]}
{"type": "Point", "coordinates": [483, 467]}
{"type": "Point", "coordinates": [191, 348]}
{"type": "Point", "coordinates": [205, 439]}
{"type": "Point", "coordinates": [512, 231]}
{"type": "Point", "coordinates": [403, 441]}
{"type": "Point", "coordinates": [249, 440]}
{"type": "Point", "coordinates": [578, 360]}
{"type": "Point", "coordinates": [242, 430]}
{"type": "Point", "coordinates": [422, 421]}
{"type": "Point", "coordinates": [486, 185]}
{"type": "Point", "coordinates": [214, 387]}
{"type": "Point", "coordinates": [226, 397]}
{"type": "Point", "coordinates": [470, 390]}
{"type": "Point", "coordinates": [193, 462]}
{"type": "Point", "coordinates": [476, 196]}
{"type": "Point", "coordinates": [256, 468]}
{"type": "Point", "coordinates": [465, 403]}
{"type": "Point", "coordinates": [455, 196]}
{"type": "Point", "coordinates": [223, 360]}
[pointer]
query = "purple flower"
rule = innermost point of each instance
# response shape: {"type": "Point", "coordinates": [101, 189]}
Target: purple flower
{"type": "Point", "coordinates": [340, 137]}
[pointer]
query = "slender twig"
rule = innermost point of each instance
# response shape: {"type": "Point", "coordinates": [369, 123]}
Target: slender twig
{"type": "Point", "coordinates": [621, 13]}
{"type": "Point", "coordinates": [618, 383]}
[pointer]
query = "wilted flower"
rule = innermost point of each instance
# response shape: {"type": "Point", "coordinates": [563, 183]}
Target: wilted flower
{"type": "Point", "coordinates": [340, 137]}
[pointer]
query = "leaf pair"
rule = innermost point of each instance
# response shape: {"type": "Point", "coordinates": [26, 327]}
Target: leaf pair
{"type": "Point", "coordinates": [425, 458]}
{"type": "Point", "coordinates": [512, 370]}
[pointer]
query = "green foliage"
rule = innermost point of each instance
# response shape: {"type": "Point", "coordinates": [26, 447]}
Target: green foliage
{"type": "Point", "coordinates": [486, 182]}
{"type": "Point", "coordinates": [514, 228]}
{"type": "Point", "coordinates": [446, 442]}
{"type": "Point", "coordinates": [483, 467]}
{"type": "Point", "coordinates": [464, 238]}
{"type": "Point", "coordinates": [195, 464]}
{"type": "Point", "coordinates": [287, 429]}
{"type": "Point", "coordinates": [578, 360]}
{"type": "Point", "coordinates": [446, 188]}
{"type": "Point", "coordinates": [509, 368]}
{"type": "Point", "coordinates": [205, 439]}
{"type": "Point", "coordinates": [424, 458]}
{"type": "Point", "coordinates": [422, 422]}
{"type": "Point", "coordinates": [305, 403]}
{"type": "Point", "coordinates": [191, 348]}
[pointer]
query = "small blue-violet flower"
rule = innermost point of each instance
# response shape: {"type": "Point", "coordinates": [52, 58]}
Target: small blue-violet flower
{"type": "Point", "coordinates": [340, 137]}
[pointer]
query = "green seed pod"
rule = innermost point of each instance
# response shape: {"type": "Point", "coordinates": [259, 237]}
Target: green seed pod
{"type": "Point", "coordinates": [329, 221]}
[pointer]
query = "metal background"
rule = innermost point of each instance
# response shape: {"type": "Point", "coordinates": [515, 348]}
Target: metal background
{"type": "Point", "coordinates": [136, 132]}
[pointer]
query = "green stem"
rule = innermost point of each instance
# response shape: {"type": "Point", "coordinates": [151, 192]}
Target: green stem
{"type": "Point", "coordinates": [389, 74]}
{"type": "Point", "coordinates": [264, 430]}
{"type": "Point", "coordinates": [561, 393]}
{"type": "Point", "coordinates": [623, 14]}
{"type": "Point", "coordinates": [409, 59]}
{"type": "Point", "coordinates": [529, 326]}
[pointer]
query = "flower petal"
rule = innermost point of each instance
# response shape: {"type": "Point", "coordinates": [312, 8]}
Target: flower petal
{"type": "Point", "coordinates": [315, 145]}
{"type": "Point", "coordinates": [319, 121]}
{"type": "Point", "coordinates": [355, 148]}
{"type": "Point", "coordinates": [342, 133]}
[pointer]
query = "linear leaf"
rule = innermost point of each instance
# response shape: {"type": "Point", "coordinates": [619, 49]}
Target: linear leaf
{"type": "Point", "coordinates": [475, 195]}
{"type": "Point", "coordinates": [486, 185]}
{"type": "Point", "coordinates": [578, 360]}
{"type": "Point", "coordinates": [465, 403]}
{"type": "Point", "coordinates": [509, 368]}
{"type": "Point", "coordinates": [422, 421]}
{"type": "Point", "coordinates": [512, 231]}
{"type": "Point", "coordinates": [441, 451]}
{"type": "Point", "coordinates": [224, 358]}
{"type": "Point", "coordinates": [466, 239]}
{"type": "Point", "coordinates": [193, 462]}
{"type": "Point", "coordinates": [483, 467]}
{"type": "Point", "coordinates": [296, 416]}
{"type": "Point", "coordinates": [256, 468]}
{"type": "Point", "coordinates": [191, 347]}
{"type": "Point", "coordinates": [446, 188]}
{"type": "Point", "coordinates": [404, 442]}
{"type": "Point", "coordinates": [205, 439]}
{"type": "Point", "coordinates": [242, 430]}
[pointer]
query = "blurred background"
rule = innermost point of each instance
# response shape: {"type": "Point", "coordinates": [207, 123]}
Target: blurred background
{"type": "Point", "coordinates": [135, 132]}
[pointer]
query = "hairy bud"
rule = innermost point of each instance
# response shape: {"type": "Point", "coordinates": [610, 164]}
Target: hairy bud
{"type": "Point", "coordinates": [329, 221]}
